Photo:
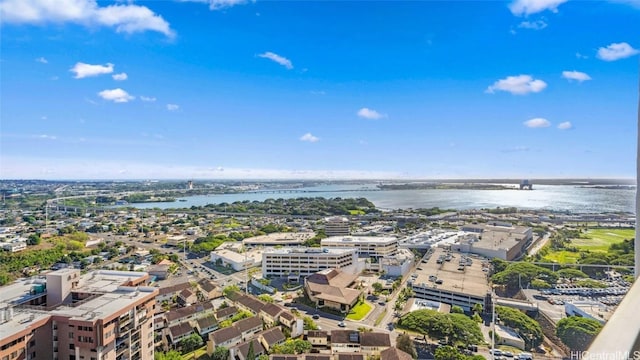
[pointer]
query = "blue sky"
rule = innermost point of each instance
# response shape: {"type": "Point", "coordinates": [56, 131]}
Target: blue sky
{"type": "Point", "coordinates": [221, 89]}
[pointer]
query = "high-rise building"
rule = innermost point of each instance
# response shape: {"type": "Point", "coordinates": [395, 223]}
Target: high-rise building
{"type": "Point", "coordinates": [103, 315]}
{"type": "Point", "coordinates": [336, 226]}
{"type": "Point", "coordinates": [305, 261]}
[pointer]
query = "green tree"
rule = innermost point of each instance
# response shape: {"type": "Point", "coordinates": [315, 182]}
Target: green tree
{"type": "Point", "coordinates": [448, 353]}
{"type": "Point", "coordinates": [190, 343]}
{"type": "Point", "coordinates": [571, 274]}
{"type": "Point", "coordinates": [526, 327]}
{"type": "Point", "coordinates": [577, 332]}
{"type": "Point", "coordinates": [521, 274]}
{"type": "Point", "coordinates": [251, 354]}
{"type": "Point", "coordinates": [34, 239]}
{"type": "Point", "coordinates": [404, 343]}
{"type": "Point", "coordinates": [220, 353]}
{"type": "Point", "coordinates": [171, 355]}
{"type": "Point", "coordinates": [292, 346]}
{"type": "Point", "coordinates": [230, 289]}
{"type": "Point", "coordinates": [309, 324]}
{"type": "Point", "coordinates": [266, 298]}
{"type": "Point", "coordinates": [457, 310]}
{"type": "Point", "coordinates": [377, 287]}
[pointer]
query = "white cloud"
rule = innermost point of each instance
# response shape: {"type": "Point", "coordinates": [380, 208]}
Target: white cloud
{"type": "Point", "coordinates": [219, 4]}
{"type": "Point", "coordinates": [120, 77]}
{"type": "Point", "coordinates": [42, 60]}
{"type": "Point", "coordinates": [127, 18]}
{"type": "Point", "coordinates": [518, 85]}
{"type": "Point", "coordinates": [277, 58]}
{"type": "Point", "coordinates": [616, 51]}
{"type": "Point", "coordinates": [116, 95]}
{"type": "Point", "coordinates": [309, 138]}
{"type": "Point", "coordinates": [533, 25]}
{"type": "Point", "coordinates": [537, 123]}
{"type": "Point", "coordinates": [370, 114]}
{"type": "Point", "coordinates": [83, 70]}
{"type": "Point", "coordinates": [46, 137]}
{"type": "Point", "coordinates": [173, 107]}
{"type": "Point", "coordinates": [147, 98]}
{"type": "Point", "coordinates": [575, 75]}
{"type": "Point", "coordinates": [581, 56]}
{"type": "Point", "coordinates": [528, 7]}
{"type": "Point", "coordinates": [565, 125]}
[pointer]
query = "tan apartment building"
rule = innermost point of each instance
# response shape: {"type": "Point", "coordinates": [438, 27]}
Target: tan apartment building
{"type": "Point", "coordinates": [103, 315]}
{"type": "Point", "coordinates": [305, 261]}
{"type": "Point", "coordinates": [375, 247]}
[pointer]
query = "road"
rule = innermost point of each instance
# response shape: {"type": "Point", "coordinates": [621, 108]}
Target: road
{"type": "Point", "coordinates": [539, 244]}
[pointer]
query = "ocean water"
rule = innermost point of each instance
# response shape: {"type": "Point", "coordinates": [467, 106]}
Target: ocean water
{"type": "Point", "coordinates": [569, 198]}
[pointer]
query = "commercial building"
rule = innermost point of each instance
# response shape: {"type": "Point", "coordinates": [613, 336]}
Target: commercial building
{"type": "Point", "coordinates": [237, 261]}
{"type": "Point", "coordinates": [305, 261]}
{"type": "Point", "coordinates": [101, 315]}
{"type": "Point", "coordinates": [278, 239]}
{"type": "Point", "coordinates": [330, 288]}
{"type": "Point", "coordinates": [375, 247]}
{"type": "Point", "coordinates": [452, 278]}
{"type": "Point", "coordinates": [495, 240]}
{"type": "Point", "coordinates": [336, 226]}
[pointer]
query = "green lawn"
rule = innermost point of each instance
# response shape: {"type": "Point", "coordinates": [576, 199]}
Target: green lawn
{"type": "Point", "coordinates": [359, 311]}
{"type": "Point", "coordinates": [594, 240]}
{"type": "Point", "coordinates": [356, 212]}
{"type": "Point", "coordinates": [601, 239]}
{"type": "Point", "coordinates": [198, 354]}
{"type": "Point", "coordinates": [562, 257]}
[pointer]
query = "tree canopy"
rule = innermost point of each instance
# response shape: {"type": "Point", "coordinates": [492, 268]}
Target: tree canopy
{"type": "Point", "coordinates": [457, 328]}
{"type": "Point", "coordinates": [578, 332]}
{"type": "Point", "coordinates": [528, 329]}
{"type": "Point", "coordinates": [521, 274]}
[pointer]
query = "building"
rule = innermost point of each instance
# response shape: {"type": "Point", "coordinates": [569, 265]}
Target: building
{"type": "Point", "coordinates": [305, 261]}
{"type": "Point", "coordinates": [508, 336]}
{"type": "Point", "coordinates": [451, 278]}
{"type": "Point", "coordinates": [14, 246]}
{"type": "Point", "coordinates": [100, 315]}
{"type": "Point", "coordinates": [235, 260]}
{"type": "Point", "coordinates": [278, 239]}
{"type": "Point", "coordinates": [350, 341]}
{"type": "Point", "coordinates": [394, 353]}
{"type": "Point", "coordinates": [374, 247]}
{"type": "Point", "coordinates": [330, 288]}
{"type": "Point", "coordinates": [495, 240]}
{"type": "Point", "coordinates": [336, 226]}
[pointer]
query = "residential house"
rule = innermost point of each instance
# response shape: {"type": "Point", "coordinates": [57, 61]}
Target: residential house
{"type": "Point", "coordinates": [168, 293]}
{"type": "Point", "coordinates": [226, 337]}
{"type": "Point", "coordinates": [349, 356]}
{"type": "Point", "coordinates": [187, 297]}
{"type": "Point", "coordinates": [179, 332]}
{"type": "Point", "coordinates": [161, 272]}
{"type": "Point", "coordinates": [209, 289]}
{"type": "Point", "coordinates": [188, 313]}
{"type": "Point", "coordinates": [226, 313]}
{"type": "Point", "coordinates": [270, 314]}
{"type": "Point", "coordinates": [317, 338]}
{"type": "Point", "coordinates": [205, 325]}
{"type": "Point", "coordinates": [241, 351]}
{"type": "Point", "coordinates": [393, 353]}
{"type": "Point", "coordinates": [248, 327]}
{"type": "Point", "coordinates": [372, 343]}
{"type": "Point", "coordinates": [271, 337]}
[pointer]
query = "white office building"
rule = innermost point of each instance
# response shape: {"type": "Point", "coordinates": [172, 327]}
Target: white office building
{"type": "Point", "coordinates": [305, 261]}
{"type": "Point", "coordinates": [375, 247]}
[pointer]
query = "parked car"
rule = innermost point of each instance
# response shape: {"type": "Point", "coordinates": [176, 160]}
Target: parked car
{"type": "Point", "coordinates": [342, 324]}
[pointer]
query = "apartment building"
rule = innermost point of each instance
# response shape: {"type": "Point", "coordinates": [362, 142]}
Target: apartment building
{"type": "Point", "coordinates": [105, 315]}
{"type": "Point", "coordinates": [375, 247]}
{"type": "Point", "coordinates": [305, 261]}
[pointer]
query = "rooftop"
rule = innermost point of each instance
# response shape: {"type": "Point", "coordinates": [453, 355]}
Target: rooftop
{"type": "Point", "coordinates": [359, 239]}
{"type": "Point", "coordinates": [472, 280]}
{"type": "Point", "coordinates": [309, 251]}
{"type": "Point", "coordinates": [280, 238]}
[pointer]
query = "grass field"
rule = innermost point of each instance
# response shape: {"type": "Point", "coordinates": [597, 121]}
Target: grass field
{"type": "Point", "coordinates": [594, 240]}
{"type": "Point", "coordinates": [359, 311]}
{"type": "Point", "coordinates": [562, 257]}
{"type": "Point", "coordinates": [601, 239]}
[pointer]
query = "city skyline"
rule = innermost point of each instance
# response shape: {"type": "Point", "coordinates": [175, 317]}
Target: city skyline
{"type": "Point", "coordinates": [232, 89]}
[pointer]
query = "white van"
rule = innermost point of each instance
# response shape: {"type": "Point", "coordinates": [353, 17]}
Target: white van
{"type": "Point", "coordinates": [525, 356]}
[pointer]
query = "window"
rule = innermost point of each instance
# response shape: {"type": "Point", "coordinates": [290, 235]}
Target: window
{"type": "Point", "coordinates": [72, 347]}
{"type": "Point", "coordinates": [70, 335]}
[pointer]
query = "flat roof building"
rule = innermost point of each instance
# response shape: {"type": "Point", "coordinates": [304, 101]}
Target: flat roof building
{"type": "Point", "coordinates": [452, 278]}
{"type": "Point", "coordinates": [367, 246]}
{"type": "Point", "coordinates": [495, 240]}
{"type": "Point", "coordinates": [337, 226]}
{"type": "Point", "coordinates": [235, 260]}
{"type": "Point", "coordinates": [279, 239]}
{"type": "Point", "coordinates": [100, 315]}
{"type": "Point", "coordinates": [305, 261]}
